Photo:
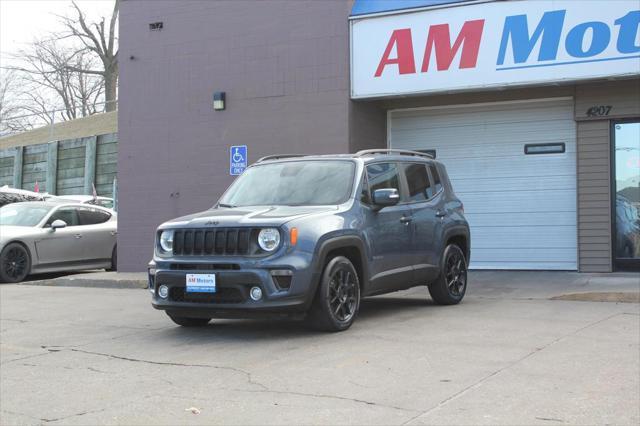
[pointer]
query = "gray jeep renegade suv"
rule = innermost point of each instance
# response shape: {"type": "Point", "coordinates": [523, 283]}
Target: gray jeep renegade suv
{"type": "Point", "coordinates": [309, 236]}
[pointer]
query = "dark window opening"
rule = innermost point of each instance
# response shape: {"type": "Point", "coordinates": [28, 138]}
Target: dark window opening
{"type": "Point", "coordinates": [437, 183]}
{"type": "Point", "coordinates": [420, 189]}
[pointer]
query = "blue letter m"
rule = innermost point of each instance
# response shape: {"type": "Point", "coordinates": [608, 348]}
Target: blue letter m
{"type": "Point", "coordinates": [516, 28]}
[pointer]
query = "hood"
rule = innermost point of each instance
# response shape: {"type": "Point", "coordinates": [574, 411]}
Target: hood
{"type": "Point", "coordinates": [252, 215]}
{"type": "Point", "coordinates": [8, 233]}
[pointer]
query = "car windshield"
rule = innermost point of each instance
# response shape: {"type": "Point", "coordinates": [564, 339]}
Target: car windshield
{"type": "Point", "coordinates": [23, 214]}
{"type": "Point", "coordinates": [292, 183]}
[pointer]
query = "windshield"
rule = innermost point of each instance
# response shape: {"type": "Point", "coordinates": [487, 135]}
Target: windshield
{"type": "Point", "coordinates": [23, 214]}
{"type": "Point", "coordinates": [292, 183]}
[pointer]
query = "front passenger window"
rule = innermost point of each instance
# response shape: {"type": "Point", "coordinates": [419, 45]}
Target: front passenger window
{"type": "Point", "coordinates": [66, 214]}
{"type": "Point", "coordinates": [383, 175]}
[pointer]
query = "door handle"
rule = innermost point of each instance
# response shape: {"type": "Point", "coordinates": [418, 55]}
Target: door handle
{"type": "Point", "coordinates": [406, 219]}
{"type": "Point", "coordinates": [77, 236]}
{"type": "Point", "coordinates": [441, 213]}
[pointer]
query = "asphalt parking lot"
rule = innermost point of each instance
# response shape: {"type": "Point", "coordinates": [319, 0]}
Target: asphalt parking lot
{"type": "Point", "coordinates": [506, 355]}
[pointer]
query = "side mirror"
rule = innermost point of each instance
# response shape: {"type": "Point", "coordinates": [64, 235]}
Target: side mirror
{"type": "Point", "coordinates": [385, 197]}
{"type": "Point", "coordinates": [58, 224]}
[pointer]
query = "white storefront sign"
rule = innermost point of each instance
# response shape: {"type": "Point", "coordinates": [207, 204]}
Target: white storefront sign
{"type": "Point", "coordinates": [495, 44]}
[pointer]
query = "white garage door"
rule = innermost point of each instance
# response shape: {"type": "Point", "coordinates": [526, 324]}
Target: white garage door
{"type": "Point", "coordinates": [521, 208]}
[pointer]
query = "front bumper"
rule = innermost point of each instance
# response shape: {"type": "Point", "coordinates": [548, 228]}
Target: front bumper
{"type": "Point", "coordinates": [234, 279]}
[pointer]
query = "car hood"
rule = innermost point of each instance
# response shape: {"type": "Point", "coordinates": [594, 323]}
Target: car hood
{"type": "Point", "coordinates": [9, 233]}
{"type": "Point", "coordinates": [253, 215]}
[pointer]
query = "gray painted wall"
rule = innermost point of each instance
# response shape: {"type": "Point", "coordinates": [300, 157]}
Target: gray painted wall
{"type": "Point", "coordinates": [284, 67]}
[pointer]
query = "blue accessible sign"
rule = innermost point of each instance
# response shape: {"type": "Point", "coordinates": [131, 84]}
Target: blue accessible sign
{"type": "Point", "coordinates": [237, 159]}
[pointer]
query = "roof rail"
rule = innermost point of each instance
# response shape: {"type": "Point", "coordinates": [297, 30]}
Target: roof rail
{"type": "Point", "coordinates": [276, 157]}
{"type": "Point", "coordinates": [392, 151]}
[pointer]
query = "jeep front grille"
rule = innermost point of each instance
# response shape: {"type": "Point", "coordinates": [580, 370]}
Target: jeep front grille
{"type": "Point", "coordinates": [218, 241]}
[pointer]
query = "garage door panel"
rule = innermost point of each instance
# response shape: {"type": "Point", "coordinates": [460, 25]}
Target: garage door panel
{"type": "Point", "coordinates": [539, 237]}
{"type": "Point", "coordinates": [524, 201]}
{"type": "Point", "coordinates": [533, 255]}
{"type": "Point", "coordinates": [497, 144]}
{"type": "Point", "coordinates": [497, 219]}
{"type": "Point", "coordinates": [515, 203]}
{"type": "Point", "coordinates": [532, 183]}
{"type": "Point", "coordinates": [490, 114]}
{"type": "Point", "coordinates": [506, 167]}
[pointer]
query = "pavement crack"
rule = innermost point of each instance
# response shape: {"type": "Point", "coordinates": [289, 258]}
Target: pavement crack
{"type": "Point", "coordinates": [247, 374]}
{"type": "Point", "coordinates": [83, 413]}
{"type": "Point", "coordinates": [334, 397]}
{"type": "Point", "coordinates": [508, 366]}
{"type": "Point", "coordinates": [21, 321]}
{"type": "Point", "coordinates": [549, 419]}
{"type": "Point", "coordinates": [25, 357]}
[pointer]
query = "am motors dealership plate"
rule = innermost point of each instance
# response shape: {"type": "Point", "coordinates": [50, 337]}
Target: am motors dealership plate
{"type": "Point", "coordinates": [201, 283]}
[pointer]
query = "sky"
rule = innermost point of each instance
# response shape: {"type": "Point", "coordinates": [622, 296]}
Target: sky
{"type": "Point", "coordinates": [23, 20]}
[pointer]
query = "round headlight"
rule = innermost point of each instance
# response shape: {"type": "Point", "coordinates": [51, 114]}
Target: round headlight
{"type": "Point", "coordinates": [269, 239]}
{"type": "Point", "coordinates": [166, 241]}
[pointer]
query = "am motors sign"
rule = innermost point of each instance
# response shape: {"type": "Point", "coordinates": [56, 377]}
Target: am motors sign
{"type": "Point", "coordinates": [494, 44]}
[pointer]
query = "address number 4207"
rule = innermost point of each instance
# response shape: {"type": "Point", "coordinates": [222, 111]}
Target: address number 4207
{"type": "Point", "coordinates": [599, 111]}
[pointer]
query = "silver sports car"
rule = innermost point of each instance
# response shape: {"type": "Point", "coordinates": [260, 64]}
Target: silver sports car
{"type": "Point", "coordinates": [47, 236]}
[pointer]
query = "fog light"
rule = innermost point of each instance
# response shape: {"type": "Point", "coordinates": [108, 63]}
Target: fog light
{"type": "Point", "coordinates": [256, 293]}
{"type": "Point", "coordinates": [163, 291]}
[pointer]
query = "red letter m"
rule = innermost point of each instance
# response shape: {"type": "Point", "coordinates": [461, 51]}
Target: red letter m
{"type": "Point", "coordinates": [470, 36]}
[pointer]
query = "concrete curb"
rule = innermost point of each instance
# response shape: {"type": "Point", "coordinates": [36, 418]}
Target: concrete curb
{"type": "Point", "coordinates": [617, 297]}
{"type": "Point", "coordinates": [90, 282]}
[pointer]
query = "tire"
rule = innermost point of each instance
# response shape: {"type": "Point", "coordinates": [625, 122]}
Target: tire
{"type": "Point", "coordinates": [189, 322]}
{"type": "Point", "coordinates": [114, 260]}
{"type": "Point", "coordinates": [15, 263]}
{"type": "Point", "coordinates": [451, 285]}
{"type": "Point", "coordinates": [337, 300]}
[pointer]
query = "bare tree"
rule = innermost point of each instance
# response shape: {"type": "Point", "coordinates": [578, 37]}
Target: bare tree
{"type": "Point", "coordinates": [13, 117]}
{"type": "Point", "coordinates": [68, 74]}
{"type": "Point", "coordinates": [53, 75]}
{"type": "Point", "coordinates": [100, 39]}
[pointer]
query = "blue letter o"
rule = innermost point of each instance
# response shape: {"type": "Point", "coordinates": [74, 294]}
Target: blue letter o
{"type": "Point", "coordinates": [599, 42]}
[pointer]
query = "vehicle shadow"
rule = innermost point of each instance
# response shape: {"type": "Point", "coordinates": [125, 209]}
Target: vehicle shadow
{"type": "Point", "coordinates": [379, 309]}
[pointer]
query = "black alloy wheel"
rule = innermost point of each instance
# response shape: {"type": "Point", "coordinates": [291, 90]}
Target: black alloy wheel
{"type": "Point", "coordinates": [342, 294]}
{"type": "Point", "coordinates": [451, 285]}
{"type": "Point", "coordinates": [337, 301]}
{"type": "Point", "coordinates": [456, 273]}
{"type": "Point", "coordinates": [15, 263]}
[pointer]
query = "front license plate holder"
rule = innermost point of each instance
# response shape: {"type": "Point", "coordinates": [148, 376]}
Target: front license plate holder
{"type": "Point", "coordinates": [201, 283]}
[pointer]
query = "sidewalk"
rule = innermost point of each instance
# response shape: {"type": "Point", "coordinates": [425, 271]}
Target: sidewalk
{"type": "Point", "coordinates": [613, 287]}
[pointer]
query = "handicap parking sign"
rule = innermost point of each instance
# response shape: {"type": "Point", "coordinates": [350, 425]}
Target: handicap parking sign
{"type": "Point", "coordinates": [237, 159]}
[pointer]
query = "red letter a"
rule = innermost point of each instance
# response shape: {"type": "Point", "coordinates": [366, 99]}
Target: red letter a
{"type": "Point", "coordinates": [470, 35]}
{"type": "Point", "coordinates": [404, 50]}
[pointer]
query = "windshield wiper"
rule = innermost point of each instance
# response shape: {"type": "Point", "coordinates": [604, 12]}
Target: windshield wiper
{"type": "Point", "coordinates": [229, 206]}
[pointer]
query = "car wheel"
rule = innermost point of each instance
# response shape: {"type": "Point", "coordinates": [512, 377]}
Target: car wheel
{"type": "Point", "coordinates": [189, 322]}
{"type": "Point", "coordinates": [15, 263]}
{"type": "Point", "coordinates": [451, 285]}
{"type": "Point", "coordinates": [114, 259]}
{"type": "Point", "coordinates": [338, 298]}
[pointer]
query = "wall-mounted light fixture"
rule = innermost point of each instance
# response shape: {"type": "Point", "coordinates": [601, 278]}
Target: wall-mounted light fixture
{"type": "Point", "coordinates": [219, 101]}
